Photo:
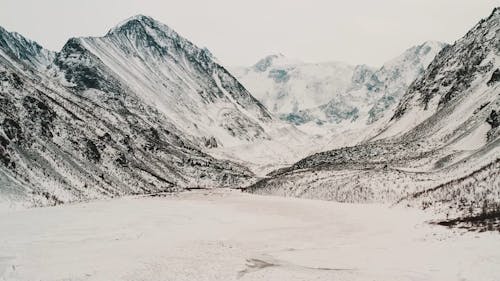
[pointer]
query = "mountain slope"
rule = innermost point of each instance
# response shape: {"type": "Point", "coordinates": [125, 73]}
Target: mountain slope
{"type": "Point", "coordinates": [166, 71]}
{"type": "Point", "coordinates": [75, 129]}
{"type": "Point", "coordinates": [465, 70]}
{"type": "Point", "coordinates": [14, 45]}
{"type": "Point", "coordinates": [445, 127]}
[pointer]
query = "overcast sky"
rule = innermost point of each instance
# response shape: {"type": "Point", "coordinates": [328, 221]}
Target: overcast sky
{"type": "Point", "coordinates": [241, 32]}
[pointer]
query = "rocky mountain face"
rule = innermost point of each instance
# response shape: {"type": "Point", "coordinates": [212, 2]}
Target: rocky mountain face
{"type": "Point", "coordinates": [469, 66]}
{"type": "Point", "coordinates": [439, 151]}
{"type": "Point", "coordinates": [372, 94]}
{"type": "Point", "coordinates": [14, 45]}
{"type": "Point", "coordinates": [166, 71]}
{"type": "Point", "coordinates": [102, 117]}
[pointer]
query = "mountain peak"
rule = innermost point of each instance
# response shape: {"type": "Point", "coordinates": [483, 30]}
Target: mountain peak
{"type": "Point", "coordinates": [267, 61]}
{"type": "Point", "coordinates": [137, 18]}
{"type": "Point", "coordinates": [138, 22]}
{"type": "Point", "coordinates": [275, 56]}
{"type": "Point", "coordinates": [434, 44]}
{"type": "Point", "coordinates": [140, 17]}
{"type": "Point", "coordinates": [496, 11]}
{"type": "Point", "coordinates": [2, 30]}
{"type": "Point", "coordinates": [277, 59]}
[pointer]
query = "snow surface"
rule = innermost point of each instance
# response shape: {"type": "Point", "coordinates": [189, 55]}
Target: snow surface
{"type": "Point", "coordinates": [228, 235]}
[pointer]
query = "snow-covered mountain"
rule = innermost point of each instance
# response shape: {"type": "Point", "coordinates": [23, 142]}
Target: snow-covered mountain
{"type": "Point", "coordinates": [183, 82]}
{"type": "Point", "coordinates": [127, 113]}
{"type": "Point", "coordinates": [287, 85]}
{"type": "Point", "coordinates": [372, 94]}
{"type": "Point", "coordinates": [440, 149]}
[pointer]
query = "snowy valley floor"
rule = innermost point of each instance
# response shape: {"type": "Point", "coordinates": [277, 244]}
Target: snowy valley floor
{"type": "Point", "coordinates": [228, 235]}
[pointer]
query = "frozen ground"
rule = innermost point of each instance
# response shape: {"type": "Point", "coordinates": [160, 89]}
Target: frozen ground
{"type": "Point", "coordinates": [227, 235]}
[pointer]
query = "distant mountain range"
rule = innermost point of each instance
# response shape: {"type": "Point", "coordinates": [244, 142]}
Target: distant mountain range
{"type": "Point", "coordinates": [286, 85]}
{"type": "Point", "coordinates": [334, 93]}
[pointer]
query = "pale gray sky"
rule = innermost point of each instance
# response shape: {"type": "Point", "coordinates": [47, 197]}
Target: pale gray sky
{"type": "Point", "coordinates": [241, 32]}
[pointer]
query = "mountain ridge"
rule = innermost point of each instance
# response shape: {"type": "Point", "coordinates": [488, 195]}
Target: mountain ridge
{"type": "Point", "coordinates": [157, 53]}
